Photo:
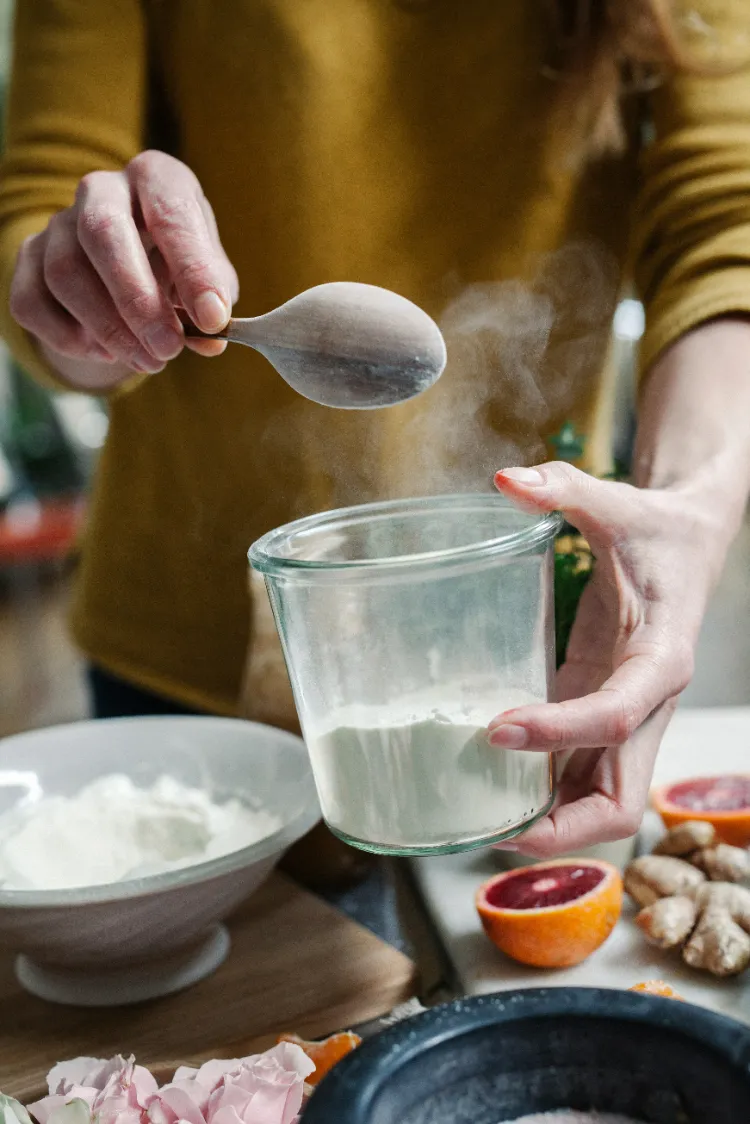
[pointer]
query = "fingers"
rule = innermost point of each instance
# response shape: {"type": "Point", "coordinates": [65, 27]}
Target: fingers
{"type": "Point", "coordinates": [201, 346]}
{"type": "Point", "coordinates": [600, 509]}
{"type": "Point", "coordinates": [74, 283]}
{"type": "Point", "coordinates": [572, 827]}
{"type": "Point", "coordinates": [609, 716]}
{"type": "Point", "coordinates": [36, 310]}
{"type": "Point", "coordinates": [182, 227]}
{"type": "Point", "coordinates": [109, 237]}
{"type": "Point", "coordinates": [602, 794]}
{"type": "Point", "coordinates": [232, 279]}
{"type": "Point", "coordinates": [102, 281]}
{"type": "Point", "coordinates": [208, 348]}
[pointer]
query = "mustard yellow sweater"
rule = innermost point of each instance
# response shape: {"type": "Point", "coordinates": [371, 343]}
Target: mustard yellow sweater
{"type": "Point", "coordinates": [423, 147]}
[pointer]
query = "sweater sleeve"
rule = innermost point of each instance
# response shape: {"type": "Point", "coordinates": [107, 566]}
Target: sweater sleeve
{"type": "Point", "coordinates": [692, 226]}
{"type": "Point", "coordinates": [75, 105]}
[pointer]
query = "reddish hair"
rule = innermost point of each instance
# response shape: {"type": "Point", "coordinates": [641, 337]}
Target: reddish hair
{"type": "Point", "coordinates": [607, 48]}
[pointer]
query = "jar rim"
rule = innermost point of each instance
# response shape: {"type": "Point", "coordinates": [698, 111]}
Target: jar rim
{"type": "Point", "coordinates": [264, 555]}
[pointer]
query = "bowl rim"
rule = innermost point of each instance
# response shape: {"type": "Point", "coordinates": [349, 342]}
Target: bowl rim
{"type": "Point", "coordinates": [348, 1091]}
{"type": "Point", "coordinates": [150, 884]}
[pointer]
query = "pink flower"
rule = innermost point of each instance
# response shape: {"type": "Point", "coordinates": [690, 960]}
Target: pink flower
{"type": "Point", "coordinates": [262, 1089]}
{"type": "Point", "coordinates": [196, 1085]}
{"type": "Point", "coordinates": [266, 1089]}
{"type": "Point", "coordinates": [125, 1095]}
{"type": "Point", "coordinates": [116, 1091]}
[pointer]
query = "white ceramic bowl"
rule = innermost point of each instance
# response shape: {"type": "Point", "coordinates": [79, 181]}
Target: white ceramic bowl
{"type": "Point", "coordinates": [129, 941]}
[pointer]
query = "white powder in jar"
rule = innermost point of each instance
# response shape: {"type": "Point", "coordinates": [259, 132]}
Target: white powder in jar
{"type": "Point", "coordinates": [111, 831]}
{"type": "Point", "coordinates": [420, 772]}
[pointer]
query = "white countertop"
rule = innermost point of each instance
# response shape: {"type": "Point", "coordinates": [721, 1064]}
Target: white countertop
{"type": "Point", "coordinates": [698, 742]}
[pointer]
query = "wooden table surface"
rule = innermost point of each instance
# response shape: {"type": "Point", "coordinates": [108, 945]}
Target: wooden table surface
{"type": "Point", "coordinates": [296, 964]}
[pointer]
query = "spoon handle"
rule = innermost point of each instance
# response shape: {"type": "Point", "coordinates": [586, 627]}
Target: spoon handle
{"type": "Point", "coordinates": [193, 332]}
{"type": "Point", "coordinates": [236, 331]}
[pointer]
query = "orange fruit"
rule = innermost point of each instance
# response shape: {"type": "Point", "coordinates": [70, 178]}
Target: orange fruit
{"type": "Point", "coordinates": [722, 801]}
{"type": "Point", "coordinates": [327, 1053]}
{"type": "Point", "coordinates": [553, 914]}
{"type": "Point", "coordinates": [657, 987]}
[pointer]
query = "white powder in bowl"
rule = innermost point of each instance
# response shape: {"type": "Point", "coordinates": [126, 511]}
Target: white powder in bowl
{"type": "Point", "coordinates": [570, 1116]}
{"type": "Point", "coordinates": [111, 831]}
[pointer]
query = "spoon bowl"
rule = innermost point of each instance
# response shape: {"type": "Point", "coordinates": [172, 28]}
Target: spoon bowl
{"type": "Point", "coordinates": [346, 345]}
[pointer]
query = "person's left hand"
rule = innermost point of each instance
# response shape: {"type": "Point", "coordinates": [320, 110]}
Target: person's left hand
{"type": "Point", "coordinates": [630, 652]}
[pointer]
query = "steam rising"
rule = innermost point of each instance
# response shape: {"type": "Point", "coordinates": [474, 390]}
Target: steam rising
{"type": "Point", "coordinates": [523, 357]}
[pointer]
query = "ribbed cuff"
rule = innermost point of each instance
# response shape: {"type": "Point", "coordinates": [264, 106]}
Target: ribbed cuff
{"type": "Point", "coordinates": [718, 294]}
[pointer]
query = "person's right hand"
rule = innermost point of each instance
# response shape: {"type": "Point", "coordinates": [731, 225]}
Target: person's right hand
{"type": "Point", "coordinates": [99, 286]}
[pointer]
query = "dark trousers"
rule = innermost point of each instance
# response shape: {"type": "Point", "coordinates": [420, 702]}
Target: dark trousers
{"type": "Point", "coordinates": [112, 697]}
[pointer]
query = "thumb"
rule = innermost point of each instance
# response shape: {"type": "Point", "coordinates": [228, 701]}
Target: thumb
{"type": "Point", "coordinates": [598, 508]}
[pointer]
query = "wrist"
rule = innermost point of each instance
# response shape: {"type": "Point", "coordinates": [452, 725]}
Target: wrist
{"type": "Point", "coordinates": [710, 508]}
{"type": "Point", "coordinates": [693, 443]}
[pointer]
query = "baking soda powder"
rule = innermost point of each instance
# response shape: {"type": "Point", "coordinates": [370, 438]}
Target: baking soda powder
{"type": "Point", "coordinates": [111, 831]}
{"type": "Point", "coordinates": [420, 772]}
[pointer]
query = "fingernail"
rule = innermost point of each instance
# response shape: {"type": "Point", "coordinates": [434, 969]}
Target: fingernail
{"type": "Point", "coordinates": [211, 312]}
{"type": "Point", "coordinates": [163, 341]}
{"type": "Point", "coordinates": [146, 364]}
{"type": "Point", "coordinates": [503, 719]}
{"type": "Point", "coordinates": [508, 737]}
{"type": "Point", "coordinates": [208, 348]}
{"type": "Point", "coordinates": [529, 476]}
{"type": "Point", "coordinates": [504, 847]}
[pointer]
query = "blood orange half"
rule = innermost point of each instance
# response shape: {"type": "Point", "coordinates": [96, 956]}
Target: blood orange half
{"type": "Point", "coordinates": [554, 914]}
{"type": "Point", "coordinates": [657, 987]}
{"type": "Point", "coordinates": [326, 1054]}
{"type": "Point", "coordinates": [722, 801]}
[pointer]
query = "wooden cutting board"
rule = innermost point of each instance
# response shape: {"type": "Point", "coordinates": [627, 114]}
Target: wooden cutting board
{"type": "Point", "coordinates": [296, 964]}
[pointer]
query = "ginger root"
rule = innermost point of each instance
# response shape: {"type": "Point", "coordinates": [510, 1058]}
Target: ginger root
{"type": "Point", "coordinates": [652, 877]}
{"type": "Point", "coordinates": [685, 838]}
{"type": "Point", "coordinates": [720, 942]}
{"type": "Point", "coordinates": [708, 919]}
{"type": "Point", "coordinates": [668, 922]}
{"type": "Point", "coordinates": [723, 863]}
{"type": "Point", "coordinates": [696, 844]}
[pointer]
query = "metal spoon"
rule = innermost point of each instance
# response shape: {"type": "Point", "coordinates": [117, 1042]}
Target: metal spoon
{"type": "Point", "coordinates": [353, 346]}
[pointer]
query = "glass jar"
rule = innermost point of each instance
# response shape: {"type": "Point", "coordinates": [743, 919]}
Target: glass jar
{"type": "Point", "coordinates": [406, 627]}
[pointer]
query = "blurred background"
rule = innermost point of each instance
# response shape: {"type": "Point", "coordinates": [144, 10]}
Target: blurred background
{"type": "Point", "coordinates": [48, 449]}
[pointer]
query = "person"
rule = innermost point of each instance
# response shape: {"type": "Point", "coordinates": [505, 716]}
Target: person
{"type": "Point", "coordinates": [530, 155]}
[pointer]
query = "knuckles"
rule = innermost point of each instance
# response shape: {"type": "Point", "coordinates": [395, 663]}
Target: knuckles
{"type": "Point", "coordinates": [682, 665]}
{"type": "Point", "coordinates": [96, 222]}
{"type": "Point", "coordinates": [92, 184]}
{"type": "Point", "coordinates": [560, 472]}
{"type": "Point", "coordinates": [23, 305]}
{"type": "Point", "coordinates": [627, 822]}
{"type": "Point", "coordinates": [623, 723]}
{"type": "Point", "coordinates": [172, 214]}
{"type": "Point", "coordinates": [139, 308]}
{"type": "Point", "coordinates": [164, 183]}
{"type": "Point", "coordinates": [114, 338]}
{"type": "Point", "coordinates": [59, 264]}
{"type": "Point", "coordinates": [24, 293]}
{"type": "Point", "coordinates": [152, 162]}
